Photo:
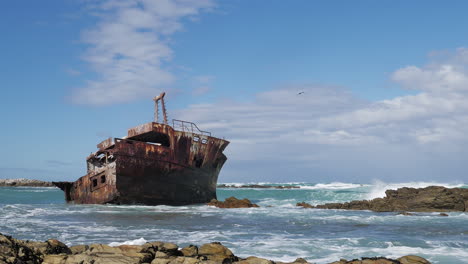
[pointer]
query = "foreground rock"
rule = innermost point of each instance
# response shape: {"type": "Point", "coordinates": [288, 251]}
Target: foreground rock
{"type": "Point", "coordinates": [24, 183]}
{"type": "Point", "coordinates": [15, 251]}
{"type": "Point", "coordinates": [232, 202]}
{"type": "Point", "coordinates": [257, 186]}
{"type": "Point", "coordinates": [429, 199]}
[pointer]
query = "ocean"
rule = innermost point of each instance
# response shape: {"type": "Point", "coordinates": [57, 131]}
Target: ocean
{"type": "Point", "coordinates": [278, 230]}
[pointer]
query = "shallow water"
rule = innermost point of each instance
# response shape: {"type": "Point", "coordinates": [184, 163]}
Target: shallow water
{"type": "Point", "coordinates": [277, 230]}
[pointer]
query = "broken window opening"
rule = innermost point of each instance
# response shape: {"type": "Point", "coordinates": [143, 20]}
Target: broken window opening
{"type": "Point", "coordinates": [94, 182]}
{"type": "Point", "coordinates": [103, 178]}
{"type": "Point", "coordinates": [154, 138]}
{"type": "Point", "coordinates": [196, 139]}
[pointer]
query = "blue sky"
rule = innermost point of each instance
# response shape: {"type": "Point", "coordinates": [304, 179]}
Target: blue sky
{"type": "Point", "coordinates": [385, 84]}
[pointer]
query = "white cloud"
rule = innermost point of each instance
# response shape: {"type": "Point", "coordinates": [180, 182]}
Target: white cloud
{"type": "Point", "coordinates": [129, 47]}
{"type": "Point", "coordinates": [449, 74]}
{"type": "Point", "coordinates": [411, 132]}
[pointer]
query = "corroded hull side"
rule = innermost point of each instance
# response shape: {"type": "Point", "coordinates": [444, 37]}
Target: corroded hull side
{"type": "Point", "coordinates": [164, 183]}
{"type": "Point", "coordinates": [182, 169]}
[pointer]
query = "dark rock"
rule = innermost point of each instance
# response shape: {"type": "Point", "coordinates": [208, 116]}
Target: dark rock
{"type": "Point", "coordinates": [56, 247]}
{"type": "Point", "coordinates": [17, 251]}
{"type": "Point", "coordinates": [429, 199]}
{"type": "Point", "coordinates": [443, 214]}
{"type": "Point", "coordinates": [305, 205]}
{"type": "Point", "coordinates": [233, 202]}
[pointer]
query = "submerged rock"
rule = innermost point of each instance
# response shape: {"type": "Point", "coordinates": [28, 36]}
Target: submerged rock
{"type": "Point", "coordinates": [429, 199]}
{"type": "Point", "coordinates": [14, 251]}
{"type": "Point", "coordinates": [233, 202]}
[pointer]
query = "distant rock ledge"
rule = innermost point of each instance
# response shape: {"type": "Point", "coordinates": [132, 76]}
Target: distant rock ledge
{"type": "Point", "coordinates": [257, 186]}
{"type": "Point", "coordinates": [55, 252]}
{"type": "Point", "coordinates": [429, 199]}
{"type": "Point", "coordinates": [24, 183]}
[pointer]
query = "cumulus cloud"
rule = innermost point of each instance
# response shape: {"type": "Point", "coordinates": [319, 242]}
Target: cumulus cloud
{"type": "Point", "coordinates": [329, 125]}
{"type": "Point", "coordinates": [129, 48]}
{"type": "Point", "coordinates": [447, 74]}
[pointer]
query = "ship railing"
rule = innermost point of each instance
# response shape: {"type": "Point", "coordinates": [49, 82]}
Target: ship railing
{"type": "Point", "coordinates": [186, 126]}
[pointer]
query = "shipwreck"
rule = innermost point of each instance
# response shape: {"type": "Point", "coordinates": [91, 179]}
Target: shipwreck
{"type": "Point", "coordinates": [155, 164]}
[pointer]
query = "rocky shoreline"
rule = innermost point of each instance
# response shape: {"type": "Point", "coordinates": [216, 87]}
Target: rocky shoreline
{"type": "Point", "coordinates": [13, 251]}
{"type": "Point", "coordinates": [24, 183]}
{"type": "Point", "coordinates": [429, 199]}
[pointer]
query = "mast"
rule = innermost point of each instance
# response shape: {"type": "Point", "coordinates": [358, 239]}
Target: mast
{"type": "Point", "coordinates": [163, 107]}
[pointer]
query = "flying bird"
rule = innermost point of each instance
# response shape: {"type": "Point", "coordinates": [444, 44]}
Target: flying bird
{"type": "Point", "coordinates": [300, 93]}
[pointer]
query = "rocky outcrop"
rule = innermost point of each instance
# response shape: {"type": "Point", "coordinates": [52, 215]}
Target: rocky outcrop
{"type": "Point", "coordinates": [305, 205]}
{"type": "Point", "coordinates": [233, 202]}
{"type": "Point", "coordinates": [14, 251]}
{"type": "Point", "coordinates": [258, 186]}
{"type": "Point", "coordinates": [429, 199]}
{"type": "Point", "coordinates": [24, 183]}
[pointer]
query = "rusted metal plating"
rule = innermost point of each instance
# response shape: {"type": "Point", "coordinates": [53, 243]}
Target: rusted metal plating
{"type": "Point", "coordinates": [154, 164]}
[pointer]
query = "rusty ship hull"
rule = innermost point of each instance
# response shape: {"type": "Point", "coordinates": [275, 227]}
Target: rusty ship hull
{"type": "Point", "coordinates": [154, 164]}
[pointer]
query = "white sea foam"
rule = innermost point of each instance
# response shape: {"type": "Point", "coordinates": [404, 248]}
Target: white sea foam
{"type": "Point", "coordinates": [136, 242]}
{"type": "Point", "coordinates": [379, 187]}
{"type": "Point", "coordinates": [333, 186]}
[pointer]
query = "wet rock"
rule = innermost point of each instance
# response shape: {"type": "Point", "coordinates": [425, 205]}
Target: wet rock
{"type": "Point", "coordinates": [233, 202]}
{"type": "Point", "coordinates": [17, 251]}
{"type": "Point", "coordinates": [56, 247]}
{"type": "Point", "coordinates": [305, 205]}
{"type": "Point", "coordinates": [38, 247]}
{"type": "Point", "coordinates": [429, 199]}
{"type": "Point", "coordinates": [443, 214]}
